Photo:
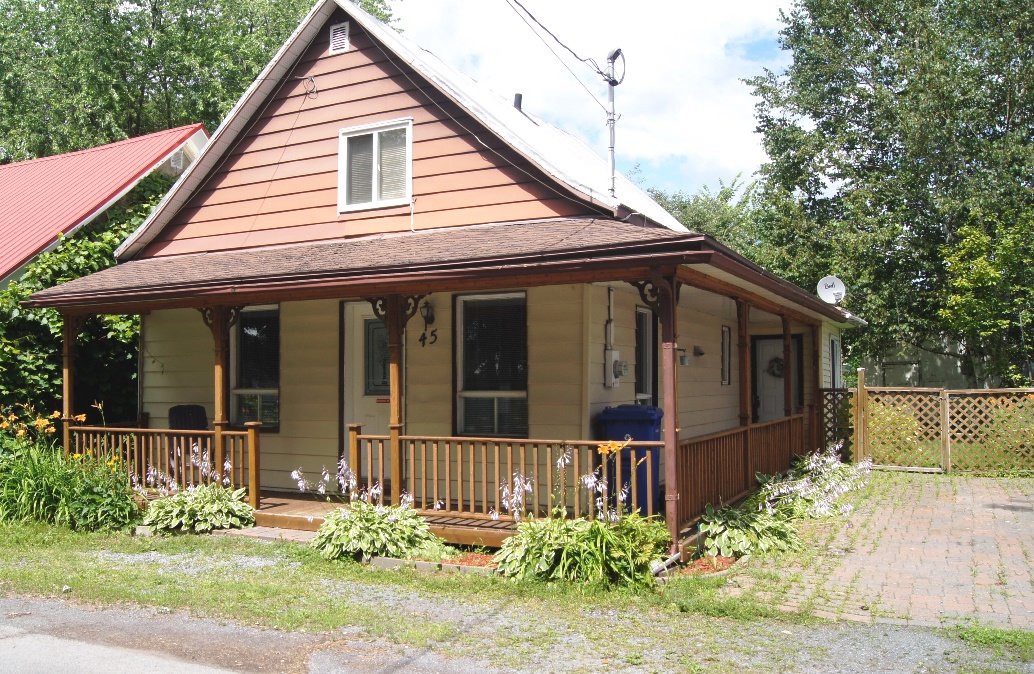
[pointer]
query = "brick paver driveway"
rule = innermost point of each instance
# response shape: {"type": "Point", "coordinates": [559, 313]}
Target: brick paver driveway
{"type": "Point", "coordinates": [921, 549]}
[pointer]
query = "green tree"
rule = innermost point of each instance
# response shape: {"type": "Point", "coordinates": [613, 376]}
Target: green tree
{"type": "Point", "coordinates": [901, 140]}
{"type": "Point", "coordinates": [75, 74]}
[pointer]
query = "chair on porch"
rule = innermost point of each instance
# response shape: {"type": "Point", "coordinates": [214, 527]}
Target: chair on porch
{"type": "Point", "coordinates": [186, 418]}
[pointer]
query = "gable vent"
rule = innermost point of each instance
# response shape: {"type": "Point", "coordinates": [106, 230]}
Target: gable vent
{"type": "Point", "coordinates": [339, 38]}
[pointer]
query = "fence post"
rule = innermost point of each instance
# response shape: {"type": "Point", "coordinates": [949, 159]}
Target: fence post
{"type": "Point", "coordinates": [860, 450]}
{"type": "Point", "coordinates": [945, 432]}
{"type": "Point", "coordinates": [253, 463]}
{"type": "Point", "coordinates": [219, 451]}
{"type": "Point", "coordinates": [354, 431]}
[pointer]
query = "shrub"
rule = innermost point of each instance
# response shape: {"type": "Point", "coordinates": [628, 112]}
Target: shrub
{"type": "Point", "coordinates": [39, 484]}
{"type": "Point", "coordinates": [200, 510]}
{"type": "Point", "coordinates": [591, 551]}
{"type": "Point", "coordinates": [364, 529]}
{"type": "Point", "coordinates": [745, 531]}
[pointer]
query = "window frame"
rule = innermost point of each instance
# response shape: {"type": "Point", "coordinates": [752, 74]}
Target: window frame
{"type": "Point", "coordinates": [726, 356]}
{"type": "Point", "coordinates": [458, 393]}
{"type": "Point", "coordinates": [369, 324]}
{"type": "Point", "coordinates": [836, 363]}
{"type": "Point", "coordinates": [646, 394]}
{"type": "Point", "coordinates": [373, 129]}
{"type": "Point", "coordinates": [234, 389]}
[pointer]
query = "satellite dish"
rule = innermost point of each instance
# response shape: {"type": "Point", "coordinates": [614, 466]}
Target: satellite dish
{"type": "Point", "coordinates": [831, 290]}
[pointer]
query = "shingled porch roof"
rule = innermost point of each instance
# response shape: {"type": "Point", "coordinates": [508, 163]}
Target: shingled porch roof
{"type": "Point", "coordinates": [500, 255]}
{"type": "Point", "coordinates": [517, 246]}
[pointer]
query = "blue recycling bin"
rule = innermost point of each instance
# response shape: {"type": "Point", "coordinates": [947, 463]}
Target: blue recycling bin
{"type": "Point", "coordinates": [641, 423]}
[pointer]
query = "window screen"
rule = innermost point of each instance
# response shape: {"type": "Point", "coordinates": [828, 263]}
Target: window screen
{"type": "Point", "coordinates": [360, 169]}
{"type": "Point", "coordinates": [392, 164]}
{"type": "Point", "coordinates": [375, 166]}
{"type": "Point", "coordinates": [256, 390]}
{"type": "Point", "coordinates": [644, 356]}
{"type": "Point", "coordinates": [493, 366]}
{"type": "Point", "coordinates": [376, 358]}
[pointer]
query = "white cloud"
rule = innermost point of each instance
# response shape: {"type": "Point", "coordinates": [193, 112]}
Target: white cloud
{"type": "Point", "coordinates": [685, 117]}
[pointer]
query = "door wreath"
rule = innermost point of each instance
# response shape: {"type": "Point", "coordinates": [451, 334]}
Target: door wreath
{"type": "Point", "coordinates": [776, 367]}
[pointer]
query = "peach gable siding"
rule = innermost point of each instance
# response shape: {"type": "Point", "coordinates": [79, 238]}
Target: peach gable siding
{"type": "Point", "coordinates": [279, 183]}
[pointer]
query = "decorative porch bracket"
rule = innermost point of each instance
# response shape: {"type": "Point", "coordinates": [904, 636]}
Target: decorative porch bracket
{"type": "Point", "coordinates": [395, 311]}
{"type": "Point", "coordinates": [661, 293]}
{"type": "Point", "coordinates": [72, 324]}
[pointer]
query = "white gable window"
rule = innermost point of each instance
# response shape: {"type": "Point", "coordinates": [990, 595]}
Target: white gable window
{"type": "Point", "coordinates": [375, 165]}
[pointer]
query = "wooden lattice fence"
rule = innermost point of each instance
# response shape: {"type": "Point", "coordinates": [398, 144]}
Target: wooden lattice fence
{"type": "Point", "coordinates": [977, 430]}
{"type": "Point", "coordinates": [837, 418]}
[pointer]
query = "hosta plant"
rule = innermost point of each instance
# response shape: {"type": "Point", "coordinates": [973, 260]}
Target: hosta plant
{"type": "Point", "coordinates": [607, 552]}
{"type": "Point", "coordinates": [200, 510]}
{"type": "Point", "coordinates": [745, 531]}
{"type": "Point", "coordinates": [813, 486]}
{"type": "Point", "coordinates": [363, 529]}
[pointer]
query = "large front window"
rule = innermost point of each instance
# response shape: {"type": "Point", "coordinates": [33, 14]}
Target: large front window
{"type": "Point", "coordinates": [256, 386]}
{"type": "Point", "coordinates": [374, 166]}
{"type": "Point", "coordinates": [492, 365]}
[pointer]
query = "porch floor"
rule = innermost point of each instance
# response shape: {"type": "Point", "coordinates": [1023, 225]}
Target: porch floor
{"type": "Point", "coordinates": [286, 510]}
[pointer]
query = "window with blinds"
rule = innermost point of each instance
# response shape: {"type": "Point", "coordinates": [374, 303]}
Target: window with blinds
{"type": "Point", "coordinates": [375, 166]}
{"type": "Point", "coordinates": [256, 366]}
{"type": "Point", "coordinates": [492, 365]}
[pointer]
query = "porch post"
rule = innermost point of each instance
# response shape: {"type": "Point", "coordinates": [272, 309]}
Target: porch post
{"type": "Point", "coordinates": [395, 311]}
{"type": "Point", "coordinates": [395, 394]}
{"type": "Point", "coordinates": [254, 469]}
{"type": "Point", "coordinates": [69, 331]}
{"type": "Point", "coordinates": [743, 336]}
{"type": "Point", "coordinates": [787, 369]}
{"type": "Point", "coordinates": [394, 321]}
{"type": "Point", "coordinates": [816, 383]}
{"type": "Point", "coordinates": [219, 320]}
{"type": "Point", "coordinates": [661, 294]}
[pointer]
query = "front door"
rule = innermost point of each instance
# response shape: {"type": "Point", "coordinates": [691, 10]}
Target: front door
{"type": "Point", "coordinates": [769, 372]}
{"type": "Point", "coordinates": [366, 376]}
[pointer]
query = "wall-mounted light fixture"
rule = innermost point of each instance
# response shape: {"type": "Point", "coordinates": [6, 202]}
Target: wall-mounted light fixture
{"type": "Point", "coordinates": [698, 350]}
{"type": "Point", "coordinates": [427, 313]}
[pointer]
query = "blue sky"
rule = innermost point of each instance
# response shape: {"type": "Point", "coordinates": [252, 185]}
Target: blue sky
{"type": "Point", "coordinates": [686, 119]}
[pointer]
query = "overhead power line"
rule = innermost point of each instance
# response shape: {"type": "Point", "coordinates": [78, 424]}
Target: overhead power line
{"type": "Point", "coordinates": [590, 62]}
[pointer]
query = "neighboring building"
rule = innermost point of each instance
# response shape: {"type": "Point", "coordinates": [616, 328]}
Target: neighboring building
{"type": "Point", "coordinates": [917, 367]}
{"type": "Point", "coordinates": [372, 239]}
{"type": "Point", "coordinates": [42, 200]}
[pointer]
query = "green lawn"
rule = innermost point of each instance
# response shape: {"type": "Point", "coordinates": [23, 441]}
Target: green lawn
{"type": "Point", "coordinates": [689, 624]}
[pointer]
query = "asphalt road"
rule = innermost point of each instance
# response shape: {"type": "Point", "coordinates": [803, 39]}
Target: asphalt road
{"type": "Point", "coordinates": [50, 635]}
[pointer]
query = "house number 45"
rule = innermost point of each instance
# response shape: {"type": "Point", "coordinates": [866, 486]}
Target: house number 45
{"type": "Point", "coordinates": [427, 338]}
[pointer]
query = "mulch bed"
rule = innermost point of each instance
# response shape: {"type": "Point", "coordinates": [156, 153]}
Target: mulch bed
{"type": "Point", "coordinates": [472, 559]}
{"type": "Point", "coordinates": [705, 565]}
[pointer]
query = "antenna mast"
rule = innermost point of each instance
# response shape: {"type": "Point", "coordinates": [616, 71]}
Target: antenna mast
{"type": "Point", "coordinates": [611, 115]}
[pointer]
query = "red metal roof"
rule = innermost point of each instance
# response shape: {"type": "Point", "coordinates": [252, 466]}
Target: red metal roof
{"type": "Point", "coordinates": [42, 198]}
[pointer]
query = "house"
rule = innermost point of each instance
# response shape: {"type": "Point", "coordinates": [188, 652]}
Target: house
{"type": "Point", "coordinates": [42, 200]}
{"type": "Point", "coordinates": [377, 261]}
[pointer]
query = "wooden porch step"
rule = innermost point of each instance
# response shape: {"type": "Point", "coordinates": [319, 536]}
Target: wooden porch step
{"type": "Point", "coordinates": [305, 513]}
